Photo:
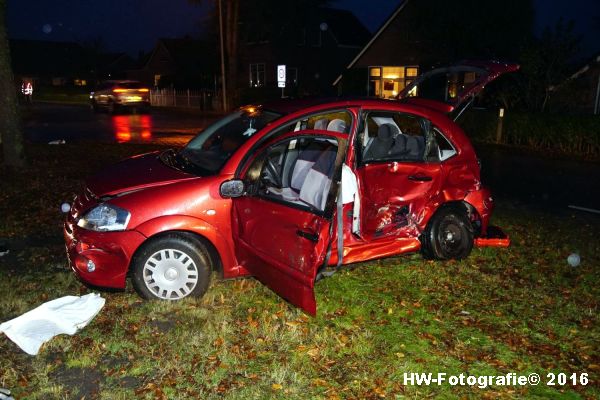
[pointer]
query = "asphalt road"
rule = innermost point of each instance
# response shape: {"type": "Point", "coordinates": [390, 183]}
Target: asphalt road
{"type": "Point", "coordinates": [45, 122]}
{"type": "Point", "coordinates": [517, 177]}
{"type": "Point", "coordinates": [540, 181]}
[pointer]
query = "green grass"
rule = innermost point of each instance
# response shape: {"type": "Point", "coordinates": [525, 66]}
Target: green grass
{"type": "Point", "coordinates": [521, 309]}
{"type": "Point", "coordinates": [63, 94]}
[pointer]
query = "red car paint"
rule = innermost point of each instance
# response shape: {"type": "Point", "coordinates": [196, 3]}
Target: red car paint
{"type": "Point", "coordinates": [250, 235]}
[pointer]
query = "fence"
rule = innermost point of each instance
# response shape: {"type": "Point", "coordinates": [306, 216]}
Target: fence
{"type": "Point", "coordinates": [203, 99]}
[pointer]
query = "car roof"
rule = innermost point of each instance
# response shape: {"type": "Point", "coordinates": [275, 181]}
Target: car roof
{"type": "Point", "coordinates": [288, 106]}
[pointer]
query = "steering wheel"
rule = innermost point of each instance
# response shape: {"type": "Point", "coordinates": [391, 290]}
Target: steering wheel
{"type": "Point", "coordinates": [271, 173]}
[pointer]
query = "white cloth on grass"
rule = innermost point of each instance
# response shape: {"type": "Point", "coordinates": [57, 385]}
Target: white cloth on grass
{"type": "Point", "coordinates": [63, 315]}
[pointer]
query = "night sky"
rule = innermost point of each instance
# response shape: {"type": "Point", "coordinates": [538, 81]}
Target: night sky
{"type": "Point", "coordinates": [134, 25]}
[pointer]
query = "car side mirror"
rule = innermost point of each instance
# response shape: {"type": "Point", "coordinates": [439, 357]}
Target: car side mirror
{"type": "Point", "coordinates": [232, 188]}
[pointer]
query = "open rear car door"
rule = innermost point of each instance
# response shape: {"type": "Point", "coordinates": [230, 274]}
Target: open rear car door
{"type": "Point", "coordinates": [281, 225]}
{"type": "Point", "coordinates": [451, 89]}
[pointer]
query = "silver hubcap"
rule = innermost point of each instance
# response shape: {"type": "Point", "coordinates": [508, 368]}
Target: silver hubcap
{"type": "Point", "coordinates": [170, 274]}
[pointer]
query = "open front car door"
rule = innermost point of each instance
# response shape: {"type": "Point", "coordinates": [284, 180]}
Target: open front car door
{"type": "Point", "coordinates": [281, 225]}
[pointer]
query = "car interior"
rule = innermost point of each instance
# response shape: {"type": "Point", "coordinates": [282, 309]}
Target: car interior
{"type": "Point", "coordinates": [390, 136]}
{"type": "Point", "coordinates": [297, 171]}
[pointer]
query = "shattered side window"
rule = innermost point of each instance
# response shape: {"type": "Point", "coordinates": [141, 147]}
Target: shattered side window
{"type": "Point", "coordinates": [445, 148]}
{"type": "Point", "coordinates": [391, 136]}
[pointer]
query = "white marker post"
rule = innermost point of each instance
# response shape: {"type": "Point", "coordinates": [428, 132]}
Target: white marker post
{"type": "Point", "coordinates": [281, 79]}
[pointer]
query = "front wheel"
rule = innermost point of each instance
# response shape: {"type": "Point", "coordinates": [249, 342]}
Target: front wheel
{"type": "Point", "coordinates": [449, 235]}
{"type": "Point", "coordinates": [171, 267]}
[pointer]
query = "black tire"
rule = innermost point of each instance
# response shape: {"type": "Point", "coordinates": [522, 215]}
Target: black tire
{"type": "Point", "coordinates": [449, 235]}
{"type": "Point", "coordinates": [94, 106]}
{"type": "Point", "coordinates": [171, 267]}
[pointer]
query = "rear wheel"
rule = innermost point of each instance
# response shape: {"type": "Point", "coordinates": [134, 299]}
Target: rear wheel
{"type": "Point", "coordinates": [449, 235]}
{"type": "Point", "coordinates": [171, 267]}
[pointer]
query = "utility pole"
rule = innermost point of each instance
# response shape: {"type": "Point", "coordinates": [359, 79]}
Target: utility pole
{"type": "Point", "coordinates": [223, 84]}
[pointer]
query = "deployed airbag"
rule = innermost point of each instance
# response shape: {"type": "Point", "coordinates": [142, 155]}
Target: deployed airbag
{"type": "Point", "coordinates": [63, 315]}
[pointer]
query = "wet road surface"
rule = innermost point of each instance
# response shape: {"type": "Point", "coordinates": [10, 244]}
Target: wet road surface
{"type": "Point", "coordinates": [44, 122]}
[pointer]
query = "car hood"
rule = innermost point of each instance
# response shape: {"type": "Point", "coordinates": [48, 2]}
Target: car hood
{"type": "Point", "coordinates": [135, 173]}
{"type": "Point", "coordinates": [446, 89]}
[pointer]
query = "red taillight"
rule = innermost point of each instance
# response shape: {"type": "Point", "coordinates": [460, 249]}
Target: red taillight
{"type": "Point", "coordinates": [144, 90]}
{"type": "Point", "coordinates": [119, 90]}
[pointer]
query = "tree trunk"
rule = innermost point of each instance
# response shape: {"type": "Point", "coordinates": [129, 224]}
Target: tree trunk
{"type": "Point", "coordinates": [10, 127]}
{"type": "Point", "coordinates": [231, 35]}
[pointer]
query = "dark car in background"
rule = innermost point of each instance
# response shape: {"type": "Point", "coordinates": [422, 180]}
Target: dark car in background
{"type": "Point", "coordinates": [117, 95]}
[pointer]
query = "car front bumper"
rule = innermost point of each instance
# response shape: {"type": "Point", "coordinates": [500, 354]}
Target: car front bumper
{"type": "Point", "coordinates": [100, 258]}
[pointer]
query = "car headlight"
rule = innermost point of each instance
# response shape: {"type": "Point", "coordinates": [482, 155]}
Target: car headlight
{"type": "Point", "coordinates": [105, 217]}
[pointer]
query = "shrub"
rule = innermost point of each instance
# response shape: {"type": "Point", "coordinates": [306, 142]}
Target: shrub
{"type": "Point", "coordinates": [567, 134]}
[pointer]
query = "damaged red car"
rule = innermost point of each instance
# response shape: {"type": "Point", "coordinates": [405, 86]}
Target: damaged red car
{"type": "Point", "coordinates": [290, 192]}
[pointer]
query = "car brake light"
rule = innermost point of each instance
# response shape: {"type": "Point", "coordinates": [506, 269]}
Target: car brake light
{"type": "Point", "coordinates": [144, 90]}
{"type": "Point", "coordinates": [119, 90]}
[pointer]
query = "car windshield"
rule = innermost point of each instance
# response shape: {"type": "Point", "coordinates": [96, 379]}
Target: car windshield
{"type": "Point", "coordinates": [211, 149]}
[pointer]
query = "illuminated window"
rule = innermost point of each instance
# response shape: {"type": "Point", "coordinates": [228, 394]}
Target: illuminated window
{"type": "Point", "coordinates": [393, 72]}
{"type": "Point", "coordinates": [388, 81]}
{"type": "Point", "coordinates": [257, 75]}
{"type": "Point", "coordinates": [156, 79]}
{"type": "Point", "coordinates": [412, 71]}
{"type": "Point", "coordinates": [80, 82]}
{"type": "Point", "coordinates": [470, 77]}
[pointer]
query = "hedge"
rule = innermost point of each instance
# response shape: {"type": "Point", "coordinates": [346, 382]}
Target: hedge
{"type": "Point", "coordinates": [566, 134]}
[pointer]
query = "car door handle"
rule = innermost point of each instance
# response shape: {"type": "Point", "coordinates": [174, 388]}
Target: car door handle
{"type": "Point", "coordinates": [420, 178]}
{"type": "Point", "coordinates": [313, 237]}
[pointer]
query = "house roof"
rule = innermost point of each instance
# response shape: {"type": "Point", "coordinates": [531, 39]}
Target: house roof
{"type": "Point", "coordinates": [345, 27]}
{"type": "Point", "coordinates": [381, 29]}
{"type": "Point", "coordinates": [187, 52]}
{"type": "Point", "coordinates": [585, 68]}
{"type": "Point", "coordinates": [109, 61]}
{"type": "Point", "coordinates": [595, 60]}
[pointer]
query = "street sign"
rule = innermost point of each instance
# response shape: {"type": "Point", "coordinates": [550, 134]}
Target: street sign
{"type": "Point", "coordinates": [281, 76]}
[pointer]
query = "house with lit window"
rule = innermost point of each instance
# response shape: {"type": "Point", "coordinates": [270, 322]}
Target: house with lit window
{"type": "Point", "coordinates": [313, 51]}
{"type": "Point", "coordinates": [423, 34]}
{"type": "Point", "coordinates": [390, 61]}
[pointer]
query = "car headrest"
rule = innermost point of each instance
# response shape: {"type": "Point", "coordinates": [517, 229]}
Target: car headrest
{"type": "Point", "coordinates": [321, 124]}
{"type": "Point", "coordinates": [337, 125]}
{"type": "Point", "coordinates": [387, 132]}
